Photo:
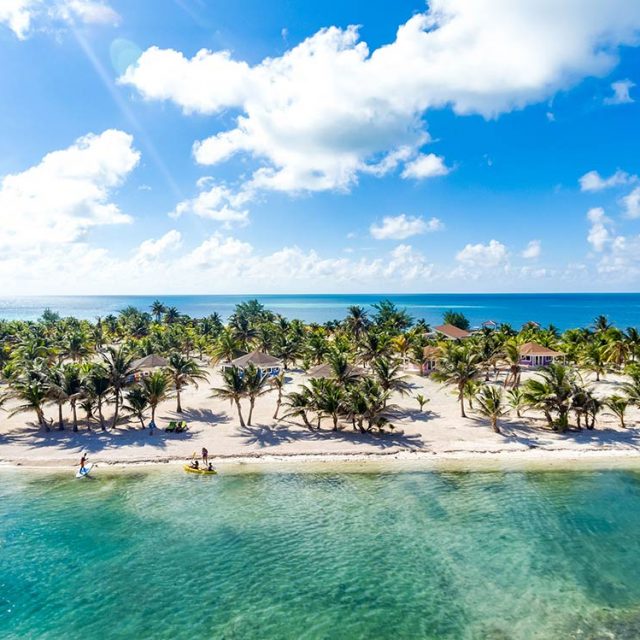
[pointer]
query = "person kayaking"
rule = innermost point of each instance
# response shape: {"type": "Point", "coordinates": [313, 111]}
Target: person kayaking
{"type": "Point", "coordinates": [210, 467]}
{"type": "Point", "coordinates": [195, 464]}
{"type": "Point", "coordinates": [205, 456]}
{"type": "Point", "coordinates": [83, 463]}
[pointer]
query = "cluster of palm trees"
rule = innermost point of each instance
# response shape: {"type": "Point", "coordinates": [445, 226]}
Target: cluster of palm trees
{"type": "Point", "coordinates": [37, 374]}
{"type": "Point", "coordinates": [88, 366]}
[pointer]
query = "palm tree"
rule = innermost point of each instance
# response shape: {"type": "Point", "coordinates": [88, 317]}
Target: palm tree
{"type": "Point", "coordinates": [592, 359]}
{"type": "Point", "coordinates": [76, 346]}
{"type": "Point", "coordinates": [329, 400]}
{"type": "Point", "coordinates": [137, 402]}
{"type": "Point", "coordinates": [511, 356]}
{"type": "Point", "coordinates": [515, 398]}
{"type": "Point", "coordinates": [618, 406]}
{"type": "Point", "coordinates": [171, 315]}
{"type": "Point", "coordinates": [278, 383]}
{"type": "Point", "coordinates": [226, 347]}
{"type": "Point", "coordinates": [184, 371]}
{"type": "Point", "coordinates": [601, 324]}
{"type": "Point", "coordinates": [422, 401]}
{"type": "Point", "coordinates": [357, 321]}
{"type": "Point", "coordinates": [157, 310]}
{"type": "Point", "coordinates": [118, 363]}
{"type": "Point", "coordinates": [97, 384]}
{"type": "Point", "coordinates": [491, 405]}
{"type": "Point", "coordinates": [552, 393]}
{"type": "Point", "coordinates": [234, 389]}
{"type": "Point", "coordinates": [156, 388]}
{"type": "Point", "coordinates": [32, 393]}
{"type": "Point", "coordinates": [456, 367]}
{"type": "Point", "coordinates": [388, 374]}
{"type": "Point", "coordinates": [56, 391]}
{"type": "Point", "coordinates": [256, 384]}
{"type": "Point", "coordinates": [299, 404]}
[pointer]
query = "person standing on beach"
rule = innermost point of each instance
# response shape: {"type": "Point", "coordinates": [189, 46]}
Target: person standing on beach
{"type": "Point", "coordinates": [205, 456]}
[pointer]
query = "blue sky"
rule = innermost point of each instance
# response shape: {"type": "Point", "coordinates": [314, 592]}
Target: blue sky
{"type": "Point", "coordinates": [465, 147]}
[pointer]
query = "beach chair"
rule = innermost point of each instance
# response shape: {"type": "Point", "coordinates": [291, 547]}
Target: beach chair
{"type": "Point", "coordinates": [172, 427]}
{"type": "Point", "coordinates": [181, 426]}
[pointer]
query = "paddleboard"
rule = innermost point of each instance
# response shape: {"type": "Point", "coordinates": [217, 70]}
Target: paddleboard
{"type": "Point", "coordinates": [84, 472]}
{"type": "Point", "coordinates": [202, 472]}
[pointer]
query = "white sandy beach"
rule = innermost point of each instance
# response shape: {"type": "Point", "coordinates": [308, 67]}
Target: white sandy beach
{"type": "Point", "coordinates": [437, 436]}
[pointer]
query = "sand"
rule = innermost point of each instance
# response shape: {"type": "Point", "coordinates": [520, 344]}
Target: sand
{"type": "Point", "coordinates": [436, 437]}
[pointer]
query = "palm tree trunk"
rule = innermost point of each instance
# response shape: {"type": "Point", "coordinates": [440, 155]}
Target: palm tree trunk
{"type": "Point", "coordinates": [60, 420]}
{"type": "Point", "coordinates": [242, 424]}
{"type": "Point", "coordinates": [305, 419]}
{"type": "Point", "coordinates": [335, 422]}
{"type": "Point", "coordinates": [179, 404]}
{"type": "Point", "coordinates": [115, 415]}
{"type": "Point", "coordinates": [252, 402]}
{"type": "Point", "coordinates": [102, 425]}
{"type": "Point", "coordinates": [494, 424]}
{"type": "Point", "coordinates": [278, 402]}
{"type": "Point", "coordinates": [75, 416]}
{"type": "Point", "coordinates": [461, 399]}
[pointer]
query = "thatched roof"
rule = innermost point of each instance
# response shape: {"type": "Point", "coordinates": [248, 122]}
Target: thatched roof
{"type": "Point", "coordinates": [326, 371]}
{"type": "Point", "coordinates": [451, 332]}
{"type": "Point", "coordinates": [152, 361]}
{"type": "Point", "coordinates": [431, 353]}
{"type": "Point", "coordinates": [535, 349]}
{"type": "Point", "coordinates": [257, 359]}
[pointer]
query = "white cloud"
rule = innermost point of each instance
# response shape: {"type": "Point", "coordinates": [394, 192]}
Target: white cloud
{"type": "Point", "coordinates": [426, 166]}
{"type": "Point", "coordinates": [599, 234]}
{"type": "Point", "coordinates": [483, 255]}
{"type": "Point", "coordinates": [17, 15]}
{"type": "Point", "coordinates": [152, 249]}
{"type": "Point", "coordinates": [403, 226]}
{"type": "Point", "coordinates": [631, 204]}
{"type": "Point", "coordinates": [621, 92]}
{"type": "Point", "coordinates": [329, 109]}
{"type": "Point", "coordinates": [67, 193]}
{"type": "Point", "coordinates": [593, 181]}
{"type": "Point", "coordinates": [215, 202]}
{"type": "Point", "coordinates": [532, 250]}
{"type": "Point", "coordinates": [21, 15]}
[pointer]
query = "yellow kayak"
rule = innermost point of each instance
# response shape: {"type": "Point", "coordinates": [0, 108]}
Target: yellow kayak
{"type": "Point", "coordinates": [203, 472]}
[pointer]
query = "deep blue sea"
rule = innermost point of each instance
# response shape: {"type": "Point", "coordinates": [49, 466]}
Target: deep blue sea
{"type": "Point", "coordinates": [563, 310]}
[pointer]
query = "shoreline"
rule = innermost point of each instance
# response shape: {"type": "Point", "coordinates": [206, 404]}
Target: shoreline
{"type": "Point", "coordinates": [453, 460]}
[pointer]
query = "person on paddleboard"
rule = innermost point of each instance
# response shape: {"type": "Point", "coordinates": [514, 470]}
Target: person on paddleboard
{"type": "Point", "coordinates": [205, 456]}
{"type": "Point", "coordinates": [83, 462]}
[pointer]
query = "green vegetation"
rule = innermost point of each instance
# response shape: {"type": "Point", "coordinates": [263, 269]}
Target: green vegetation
{"type": "Point", "coordinates": [90, 367]}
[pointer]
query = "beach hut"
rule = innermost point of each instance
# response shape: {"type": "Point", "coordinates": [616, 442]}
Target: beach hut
{"type": "Point", "coordinates": [152, 361]}
{"type": "Point", "coordinates": [449, 332]}
{"type": "Point", "coordinates": [326, 371]}
{"type": "Point", "coordinates": [533, 354]}
{"type": "Point", "coordinates": [264, 362]}
{"type": "Point", "coordinates": [430, 357]}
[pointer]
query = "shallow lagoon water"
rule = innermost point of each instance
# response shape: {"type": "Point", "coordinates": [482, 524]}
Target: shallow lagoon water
{"type": "Point", "coordinates": [482, 555]}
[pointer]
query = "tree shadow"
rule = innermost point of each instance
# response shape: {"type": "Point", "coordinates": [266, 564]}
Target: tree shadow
{"type": "Point", "coordinates": [292, 432]}
{"type": "Point", "coordinates": [198, 415]}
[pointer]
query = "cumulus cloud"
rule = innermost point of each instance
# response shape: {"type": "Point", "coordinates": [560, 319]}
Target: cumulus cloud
{"type": "Point", "coordinates": [67, 193]}
{"type": "Point", "coordinates": [152, 249]}
{"type": "Point", "coordinates": [403, 226]}
{"type": "Point", "coordinates": [631, 204]}
{"type": "Point", "coordinates": [621, 92]}
{"type": "Point", "coordinates": [593, 181]}
{"type": "Point", "coordinates": [330, 109]}
{"type": "Point", "coordinates": [215, 202]}
{"type": "Point", "coordinates": [483, 255]}
{"type": "Point", "coordinates": [532, 250]}
{"type": "Point", "coordinates": [599, 233]}
{"type": "Point", "coordinates": [426, 166]}
{"type": "Point", "coordinates": [21, 15]}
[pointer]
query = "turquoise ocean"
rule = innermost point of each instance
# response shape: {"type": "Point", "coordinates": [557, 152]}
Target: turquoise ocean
{"type": "Point", "coordinates": [456, 556]}
{"type": "Point", "coordinates": [563, 310]}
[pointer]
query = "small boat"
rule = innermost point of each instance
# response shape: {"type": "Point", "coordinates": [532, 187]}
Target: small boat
{"type": "Point", "coordinates": [85, 471]}
{"type": "Point", "coordinates": [203, 472]}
